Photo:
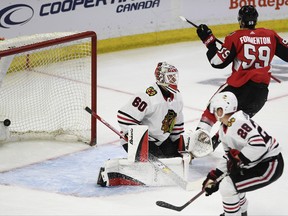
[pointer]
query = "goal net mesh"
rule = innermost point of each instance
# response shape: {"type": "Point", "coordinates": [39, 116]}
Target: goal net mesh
{"type": "Point", "coordinates": [44, 91]}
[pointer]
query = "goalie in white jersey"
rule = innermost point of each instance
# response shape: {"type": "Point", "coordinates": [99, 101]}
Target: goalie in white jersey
{"type": "Point", "coordinates": [159, 106]}
{"type": "Point", "coordinates": [252, 160]}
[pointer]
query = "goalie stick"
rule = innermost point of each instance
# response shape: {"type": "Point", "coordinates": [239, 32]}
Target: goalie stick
{"type": "Point", "coordinates": [159, 165]}
{"type": "Point", "coordinates": [180, 208]}
{"type": "Point", "coordinates": [220, 42]}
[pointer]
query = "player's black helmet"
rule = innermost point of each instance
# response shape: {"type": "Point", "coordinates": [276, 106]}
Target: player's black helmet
{"type": "Point", "coordinates": [247, 17]}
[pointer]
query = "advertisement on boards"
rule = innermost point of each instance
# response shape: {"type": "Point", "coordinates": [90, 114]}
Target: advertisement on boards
{"type": "Point", "coordinates": [109, 18]}
{"type": "Point", "coordinates": [215, 12]}
{"type": "Point", "coordinates": [117, 18]}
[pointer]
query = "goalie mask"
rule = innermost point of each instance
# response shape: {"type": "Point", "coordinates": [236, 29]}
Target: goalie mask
{"type": "Point", "coordinates": [167, 76]}
{"type": "Point", "coordinates": [247, 17]}
{"type": "Point", "coordinates": [225, 100]}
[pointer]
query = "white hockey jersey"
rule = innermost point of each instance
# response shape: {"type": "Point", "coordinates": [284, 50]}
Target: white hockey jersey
{"type": "Point", "coordinates": [163, 116]}
{"type": "Point", "coordinates": [245, 135]}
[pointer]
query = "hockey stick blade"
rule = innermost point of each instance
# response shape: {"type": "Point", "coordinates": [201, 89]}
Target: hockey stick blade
{"type": "Point", "coordinates": [178, 208]}
{"type": "Point", "coordinates": [168, 206]}
{"type": "Point", "coordinates": [178, 180]}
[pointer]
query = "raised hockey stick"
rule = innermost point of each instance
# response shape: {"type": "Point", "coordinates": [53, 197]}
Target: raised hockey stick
{"type": "Point", "coordinates": [180, 208]}
{"type": "Point", "coordinates": [196, 26]}
{"type": "Point", "coordinates": [219, 41]}
{"type": "Point", "coordinates": [159, 165]}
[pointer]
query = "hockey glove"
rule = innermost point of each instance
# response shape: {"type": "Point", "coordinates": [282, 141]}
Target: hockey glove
{"type": "Point", "coordinates": [233, 164]}
{"type": "Point", "coordinates": [209, 184]}
{"type": "Point", "coordinates": [215, 141]}
{"type": "Point", "coordinates": [206, 35]}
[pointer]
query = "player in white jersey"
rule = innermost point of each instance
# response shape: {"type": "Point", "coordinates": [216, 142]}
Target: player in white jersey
{"type": "Point", "coordinates": [159, 106]}
{"type": "Point", "coordinates": [253, 158]}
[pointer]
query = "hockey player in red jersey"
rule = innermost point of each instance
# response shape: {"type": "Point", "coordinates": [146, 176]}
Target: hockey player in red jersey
{"type": "Point", "coordinates": [250, 50]}
{"type": "Point", "coordinates": [160, 107]}
{"type": "Point", "coordinates": [252, 160]}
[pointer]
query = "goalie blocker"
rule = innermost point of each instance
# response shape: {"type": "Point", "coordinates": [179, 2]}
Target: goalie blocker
{"type": "Point", "coordinates": [136, 168]}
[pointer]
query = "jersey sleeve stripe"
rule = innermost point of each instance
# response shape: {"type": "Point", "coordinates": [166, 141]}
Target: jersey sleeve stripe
{"type": "Point", "coordinates": [122, 116]}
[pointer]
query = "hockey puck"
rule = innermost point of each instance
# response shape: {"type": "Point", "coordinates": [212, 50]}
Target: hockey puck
{"type": "Point", "coordinates": [7, 122]}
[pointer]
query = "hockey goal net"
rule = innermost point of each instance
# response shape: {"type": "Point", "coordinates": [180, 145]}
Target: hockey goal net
{"type": "Point", "coordinates": [46, 81]}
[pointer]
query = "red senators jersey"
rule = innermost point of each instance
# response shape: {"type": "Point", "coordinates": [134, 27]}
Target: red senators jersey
{"type": "Point", "coordinates": [251, 52]}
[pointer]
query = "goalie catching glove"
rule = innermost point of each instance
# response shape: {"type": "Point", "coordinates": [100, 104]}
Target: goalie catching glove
{"type": "Point", "coordinates": [198, 143]}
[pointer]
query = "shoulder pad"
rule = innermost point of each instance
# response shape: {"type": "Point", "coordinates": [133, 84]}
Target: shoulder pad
{"type": "Point", "coordinates": [231, 121]}
{"type": "Point", "coordinates": [151, 91]}
{"type": "Point", "coordinates": [237, 116]}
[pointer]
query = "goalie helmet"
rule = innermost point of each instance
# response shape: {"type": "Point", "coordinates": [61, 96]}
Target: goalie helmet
{"type": "Point", "coordinates": [225, 100]}
{"type": "Point", "coordinates": [166, 75]}
{"type": "Point", "coordinates": [247, 17]}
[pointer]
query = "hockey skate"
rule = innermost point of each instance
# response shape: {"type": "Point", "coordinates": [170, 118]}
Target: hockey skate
{"type": "Point", "coordinates": [100, 180]}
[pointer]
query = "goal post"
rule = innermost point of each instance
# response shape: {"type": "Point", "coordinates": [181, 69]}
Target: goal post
{"type": "Point", "coordinates": [46, 81]}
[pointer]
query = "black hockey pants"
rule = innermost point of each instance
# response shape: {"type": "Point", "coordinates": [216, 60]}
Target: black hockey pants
{"type": "Point", "coordinates": [251, 96]}
{"type": "Point", "coordinates": [263, 174]}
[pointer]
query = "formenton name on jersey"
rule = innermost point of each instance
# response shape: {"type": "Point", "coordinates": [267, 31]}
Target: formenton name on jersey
{"type": "Point", "coordinates": [255, 40]}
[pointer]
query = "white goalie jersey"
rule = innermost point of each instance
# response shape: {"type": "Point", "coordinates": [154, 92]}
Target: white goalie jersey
{"type": "Point", "coordinates": [245, 135]}
{"type": "Point", "coordinates": [163, 116]}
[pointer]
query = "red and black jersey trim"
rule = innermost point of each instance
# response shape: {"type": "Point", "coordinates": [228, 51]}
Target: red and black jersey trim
{"type": "Point", "coordinates": [126, 119]}
{"type": "Point", "coordinates": [116, 178]}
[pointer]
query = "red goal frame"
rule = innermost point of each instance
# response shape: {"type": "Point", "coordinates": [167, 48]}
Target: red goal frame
{"type": "Point", "coordinates": [76, 36]}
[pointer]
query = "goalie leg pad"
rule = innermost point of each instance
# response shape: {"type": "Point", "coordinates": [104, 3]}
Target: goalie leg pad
{"type": "Point", "coordinates": [112, 174]}
{"type": "Point", "coordinates": [123, 172]}
{"type": "Point", "coordinates": [103, 179]}
{"type": "Point", "coordinates": [117, 178]}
